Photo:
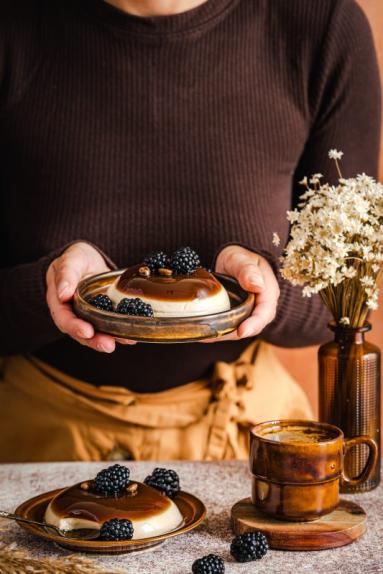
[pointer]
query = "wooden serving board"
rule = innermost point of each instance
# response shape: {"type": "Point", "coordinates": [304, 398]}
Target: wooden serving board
{"type": "Point", "coordinates": [342, 526]}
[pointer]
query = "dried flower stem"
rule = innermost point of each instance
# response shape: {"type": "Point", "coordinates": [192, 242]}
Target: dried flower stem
{"type": "Point", "coordinates": [338, 169]}
{"type": "Point", "coordinates": [14, 560]}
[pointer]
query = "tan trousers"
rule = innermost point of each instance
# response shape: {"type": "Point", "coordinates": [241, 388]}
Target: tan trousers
{"type": "Point", "coordinates": [49, 416]}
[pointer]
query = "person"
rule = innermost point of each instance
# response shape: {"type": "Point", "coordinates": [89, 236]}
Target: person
{"type": "Point", "coordinates": [129, 126]}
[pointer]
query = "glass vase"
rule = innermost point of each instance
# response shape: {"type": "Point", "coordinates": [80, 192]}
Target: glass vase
{"type": "Point", "coordinates": [349, 395]}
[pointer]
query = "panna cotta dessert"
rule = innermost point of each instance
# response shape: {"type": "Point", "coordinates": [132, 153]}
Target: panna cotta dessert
{"type": "Point", "coordinates": [172, 296]}
{"type": "Point", "coordinates": [120, 508]}
{"type": "Point", "coordinates": [166, 286]}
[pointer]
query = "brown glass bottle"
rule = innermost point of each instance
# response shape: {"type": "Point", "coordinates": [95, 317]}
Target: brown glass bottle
{"type": "Point", "coordinates": [349, 394]}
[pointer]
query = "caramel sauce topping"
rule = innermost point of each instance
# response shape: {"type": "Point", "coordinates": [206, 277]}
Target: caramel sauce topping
{"type": "Point", "coordinates": [74, 502]}
{"type": "Point", "coordinates": [198, 285]}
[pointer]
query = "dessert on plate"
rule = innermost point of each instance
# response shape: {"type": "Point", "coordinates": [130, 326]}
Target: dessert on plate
{"type": "Point", "coordinates": [165, 286]}
{"type": "Point", "coordinates": [120, 508]}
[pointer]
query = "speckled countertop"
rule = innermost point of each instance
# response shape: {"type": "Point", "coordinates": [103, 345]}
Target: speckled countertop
{"type": "Point", "coordinates": [219, 485]}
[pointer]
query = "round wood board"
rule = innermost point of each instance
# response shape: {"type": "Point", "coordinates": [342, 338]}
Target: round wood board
{"type": "Point", "coordinates": [342, 526]}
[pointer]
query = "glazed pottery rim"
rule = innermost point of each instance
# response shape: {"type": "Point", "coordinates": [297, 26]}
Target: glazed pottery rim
{"type": "Point", "coordinates": [299, 484]}
{"type": "Point", "coordinates": [334, 326]}
{"type": "Point", "coordinates": [337, 432]}
{"type": "Point", "coordinates": [139, 319]}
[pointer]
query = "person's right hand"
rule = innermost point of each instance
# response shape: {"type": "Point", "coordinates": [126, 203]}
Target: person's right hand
{"type": "Point", "coordinates": [80, 260]}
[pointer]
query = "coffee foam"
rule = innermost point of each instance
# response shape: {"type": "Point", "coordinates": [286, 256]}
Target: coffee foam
{"type": "Point", "coordinates": [297, 435]}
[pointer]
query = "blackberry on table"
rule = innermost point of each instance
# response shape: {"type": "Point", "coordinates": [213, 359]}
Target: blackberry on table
{"type": "Point", "coordinates": [249, 546]}
{"type": "Point", "coordinates": [210, 564]}
{"type": "Point", "coordinates": [112, 480]}
{"type": "Point", "coordinates": [134, 307]}
{"type": "Point", "coordinates": [156, 260]}
{"type": "Point", "coordinates": [117, 529]}
{"type": "Point", "coordinates": [165, 480]}
{"type": "Point", "coordinates": [102, 302]}
{"type": "Point", "coordinates": [184, 261]}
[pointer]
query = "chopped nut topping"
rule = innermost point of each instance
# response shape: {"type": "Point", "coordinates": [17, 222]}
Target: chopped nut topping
{"type": "Point", "coordinates": [84, 485]}
{"type": "Point", "coordinates": [132, 488]}
{"type": "Point", "coordinates": [144, 271]}
{"type": "Point", "coordinates": [165, 272]}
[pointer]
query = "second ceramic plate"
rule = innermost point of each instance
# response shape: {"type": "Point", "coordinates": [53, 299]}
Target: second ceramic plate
{"type": "Point", "coordinates": [191, 508]}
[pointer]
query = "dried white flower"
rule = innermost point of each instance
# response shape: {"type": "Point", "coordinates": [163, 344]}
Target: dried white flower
{"type": "Point", "coordinates": [349, 272]}
{"type": "Point", "coordinates": [293, 216]}
{"type": "Point", "coordinates": [367, 281]}
{"type": "Point", "coordinates": [335, 154]}
{"type": "Point", "coordinates": [304, 181]}
{"type": "Point", "coordinates": [315, 179]}
{"type": "Point", "coordinates": [276, 239]}
{"type": "Point", "coordinates": [336, 244]}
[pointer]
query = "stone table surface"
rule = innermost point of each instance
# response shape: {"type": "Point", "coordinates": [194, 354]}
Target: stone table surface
{"type": "Point", "coordinates": [219, 485]}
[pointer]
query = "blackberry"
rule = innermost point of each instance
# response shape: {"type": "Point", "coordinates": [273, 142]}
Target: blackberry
{"type": "Point", "coordinates": [117, 529]}
{"type": "Point", "coordinates": [123, 306]}
{"type": "Point", "coordinates": [165, 480]}
{"type": "Point", "coordinates": [111, 480]}
{"type": "Point", "coordinates": [184, 261]}
{"type": "Point", "coordinates": [210, 564]}
{"type": "Point", "coordinates": [101, 302]}
{"type": "Point", "coordinates": [156, 260]}
{"type": "Point", "coordinates": [249, 546]}
{"type": "Point", "coordinates": [135, 307]}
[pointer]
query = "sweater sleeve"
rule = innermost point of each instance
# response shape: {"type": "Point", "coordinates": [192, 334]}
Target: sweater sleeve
{"type": "Point", "coordinates": [344, 101]}
{"type": "Point", "coordinates": [25, 321]}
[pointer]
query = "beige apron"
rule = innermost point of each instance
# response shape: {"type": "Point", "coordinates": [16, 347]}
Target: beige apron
{"type": "Point", "coordinates": [49, 416]}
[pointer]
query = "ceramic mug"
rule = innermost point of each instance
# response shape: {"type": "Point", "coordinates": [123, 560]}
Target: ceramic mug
{"type": "Point", "coordinates": [297, 467]}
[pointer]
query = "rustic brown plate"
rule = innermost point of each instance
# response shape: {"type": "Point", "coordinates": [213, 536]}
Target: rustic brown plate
{"type": "Point", "coordinates": [162, 330]}
{"type": "Point", "coordinates": [191, 508]}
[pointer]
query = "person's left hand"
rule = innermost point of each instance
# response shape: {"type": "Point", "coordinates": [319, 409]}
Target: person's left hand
{"type": "Point", "coordinates": [255, 275]}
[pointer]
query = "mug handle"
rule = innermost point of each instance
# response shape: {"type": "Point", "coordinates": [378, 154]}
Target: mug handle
{"type": "Point", "coordinates": [370, 464]}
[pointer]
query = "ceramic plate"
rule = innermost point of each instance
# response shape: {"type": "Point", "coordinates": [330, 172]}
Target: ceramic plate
{"type": "Point", "coordinates": [162, 330]}
{"type": "Point", "coordinates": [191, 508]}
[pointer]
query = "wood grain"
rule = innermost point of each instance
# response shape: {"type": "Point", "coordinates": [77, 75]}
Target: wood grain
{"type": "Point", "coordinates": [344, 525]}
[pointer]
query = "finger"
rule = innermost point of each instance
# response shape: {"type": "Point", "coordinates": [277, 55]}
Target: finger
{"type": "Point", "coordinates": [262, 315]}
{"type": "Point", "coordinates": [245, 268]}
{"type": "Point", "coordinates": [64, 317]}
{"type": "Point", "coordinates": [101, 343]}
{"type": "Point", "coordinates": [271, 284]}
{"type": "Point", "coordinates": [250, 278]}
{"type": "Point", "coordinates": [125, 341]}
{"type": "Point", "coordinates": [253, 325]}
{"type": "Point", "coordinates": [69, 270]}
{"type": "Point", "coordinates": [80, 330]}
{"type": "Point", "coordinates": [232, 261]}
{"type": "Point", "coordinates": [68, 323]}
{"type": "Point", "coordinates": [229, 337]}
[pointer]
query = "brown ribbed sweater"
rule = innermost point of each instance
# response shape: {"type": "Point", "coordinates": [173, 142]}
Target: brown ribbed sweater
{"type": "Point", "coordinates": [144, 133]}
